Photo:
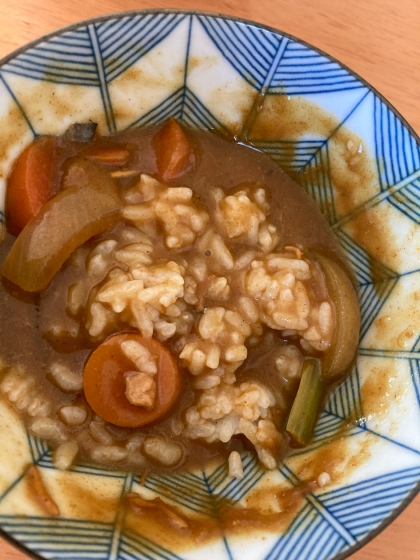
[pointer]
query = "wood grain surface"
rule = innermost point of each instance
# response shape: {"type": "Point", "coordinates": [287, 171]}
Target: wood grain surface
{"type": "Point", "coordinates": [379, 39]}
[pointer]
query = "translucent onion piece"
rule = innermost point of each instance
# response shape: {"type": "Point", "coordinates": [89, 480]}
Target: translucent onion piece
{"type": "Point", "coordinates": [75, 214]}
{"type": "Point", "coordinates": [341, 354]}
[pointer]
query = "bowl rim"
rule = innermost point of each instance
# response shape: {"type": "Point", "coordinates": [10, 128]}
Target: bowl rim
{"type": "Point", "coordinates": [155, 11]}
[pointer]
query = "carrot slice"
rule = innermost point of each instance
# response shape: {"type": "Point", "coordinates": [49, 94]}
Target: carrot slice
{"type": "Point", "coordinates": [30, 185]}
{"type": "Point", "coordinates": [113, 155]}
{"type": "Point", "coordinates": [104, 382]}
{"type": "Point", "coordinates": [174, 151]}
{"type": "Point", "coordinates": [73, 216]}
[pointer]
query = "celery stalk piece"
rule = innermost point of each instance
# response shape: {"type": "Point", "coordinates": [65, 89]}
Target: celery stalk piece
{"type": "Point", "coordinates": [303, 415]}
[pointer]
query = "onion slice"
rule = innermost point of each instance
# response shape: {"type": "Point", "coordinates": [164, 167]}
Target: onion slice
{"type": "Point", "coordinates": [73, 216]}
{"type": "Point", "coordinates": [341, 354]}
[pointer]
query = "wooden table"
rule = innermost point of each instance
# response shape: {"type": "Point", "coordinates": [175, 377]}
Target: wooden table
{"type": "Point", "coordinates": [379, 39]}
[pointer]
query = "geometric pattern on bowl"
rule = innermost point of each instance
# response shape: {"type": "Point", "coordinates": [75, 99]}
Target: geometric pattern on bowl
{"type": "Point", "coordinates": [138, 68]}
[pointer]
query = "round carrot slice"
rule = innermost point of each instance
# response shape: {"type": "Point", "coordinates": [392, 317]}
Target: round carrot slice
{"type": "Point", "coordinates": [105, 385]}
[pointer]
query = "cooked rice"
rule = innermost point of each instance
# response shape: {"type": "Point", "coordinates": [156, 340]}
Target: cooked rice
{"type": "Point", "coordinates": [49, 429]}
{"type": "Point", "coordinates": [245, 290]}
{"type": "Point", "coordinates": [164, 452]}
{"type": "Point", "coordinates": [65, 455]}
{"type": "Point", "coordinates": [73, 415]}
{"type": "Point", "coordinates": [99, 433]}
{"type": "Point", "coordinates": [108, 454]}
{"type": "Point", "coordinates": [235, 466]}
{"type": "Point", "coordinates": [323, 479]}
{"type": "Point", "coordinates": [66, 379]}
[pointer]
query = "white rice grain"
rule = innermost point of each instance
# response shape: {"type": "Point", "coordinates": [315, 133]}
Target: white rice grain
{"type": "Point", "coordinates": [65, 454]}
{"type": "Point", "coordinates": [138, 212]}
{"type": "Point", "coordinates": [221, 252]}
{"type": "Point", "coordinates": [38, 407]}
{"type": "Point", "coordinates": [249, 309]}
{"type": "Point", "coordinates": [235, 466]}
{"type": "Point", "coordinates": [164, 452]}
{"type": "Point", "coordinates": [73, 415]}
{"type": "Point", "coordinates": [100, 433]}
{"type": "Point", "coordinates": [235, 353]}
{"type": "Point", "coordinates": [135, 442]}
{"type": "Point", "coordinates": [207, 382]}
{"type": "Point", "coordinates": [302, 300]}
{"type": "Point", "coordinates": [281, 263]}
{"type": "Point", "coordinates": [213, 357]}
{"type": "Point", "coordinates": [325, 317]}
{"type": "Point", "coordinates": [108, 454]}
{"type": "Point", "coordinates": [50, 429]}
{"type": "Point", "coordinates": [66, 379]}
{"type": "Point", "coordinates": [266, 457]}
{"type": "Point", "coordinates": [323, 479]}
{"type": "Point", "coordinates": [144, 360]}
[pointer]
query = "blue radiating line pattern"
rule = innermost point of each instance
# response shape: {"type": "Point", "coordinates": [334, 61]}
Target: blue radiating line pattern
{"type": "Point", "coordinates": [372, 299]}
{"type": "Point", "coordinates": [415, 375]}
{"type": "Point", "coordinates": [125, 40]}
{"type": "Point", "coordinates": [329, 425]}
{"type": "Point", "coordinates": [134, 546]}
{"type": "Point", "coordinates": [361, 507]}
{"type": "Point", "coordinates": [170, 107]}
{"type": "Point", "coordinates": [309, 536]}
{"type": "Point", "coordinates": [37, 447]}
{"type": "Point", "coordinates": [292, 155]}
{"type": "Point", "coordinates": [103, 83]}
{"type": "Point", "coordinates": [16, 102]}
{"type": "Point", "coordinates": [46, 461]}
{"type": "Point", "coordinates": [66, 59]}
{"type": "Point", "coordinates": [205, 493]}
{"type": "Point", "coordinates": [61, 539]}
{"type": "Point", "coordinates": [366, 268]}
{"type": "Point", "coordinates": [315, 179]}
{"type": "Point", "coordinates": [342, 414]}
{"type": "Point", "coordinates": [357, 508]}
{"type": "Point", "coordinates": [397, 153]}
{"type": "Point", "coordinates": [342, 516]}
{"type": "Point", "coordinates": [196, 114]}
{"type": "Point", "coordinates": [231, 489]}
{"type": "Point", "coordinates": [70, 58]}
{"type": "Point", "coordinates": [406, 201]}
{"type": "Point", "coordinates": [188, 490]}
{"type": "Point", "coordinates": [249, 50]}
{"type": "Point", "coordinates": [183, 105]}
{"type": "Point", "coordinates": [304, 71]}
{"type": "Point", "coordinates": [346, 402]}
{"type": "Point", "coordinates": [300, 70]}
{"type": "Point", "coordinates": [95, 56]}
{"type": "Point", "coordinates": [376, 281]}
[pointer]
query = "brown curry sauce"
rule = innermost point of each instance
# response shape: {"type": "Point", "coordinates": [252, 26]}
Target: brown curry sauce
{"type": "Point", "coordinates": [24, 311]}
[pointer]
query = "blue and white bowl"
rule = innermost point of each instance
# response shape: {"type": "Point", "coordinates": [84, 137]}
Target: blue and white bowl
{"type": "Point", "coordinates": [360, 161]}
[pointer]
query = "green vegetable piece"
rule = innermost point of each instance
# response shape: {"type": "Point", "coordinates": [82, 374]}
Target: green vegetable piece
{"type": "Point", "coordinates": [74, 215]}
{"type": "Point", "coordinates": [304, 413]}
{"type": "Point", "coordinates": [340, 355]}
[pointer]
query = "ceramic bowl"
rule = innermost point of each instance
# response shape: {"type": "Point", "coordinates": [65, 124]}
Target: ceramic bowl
{"type": "Point", "coordinates": [360, 161]}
